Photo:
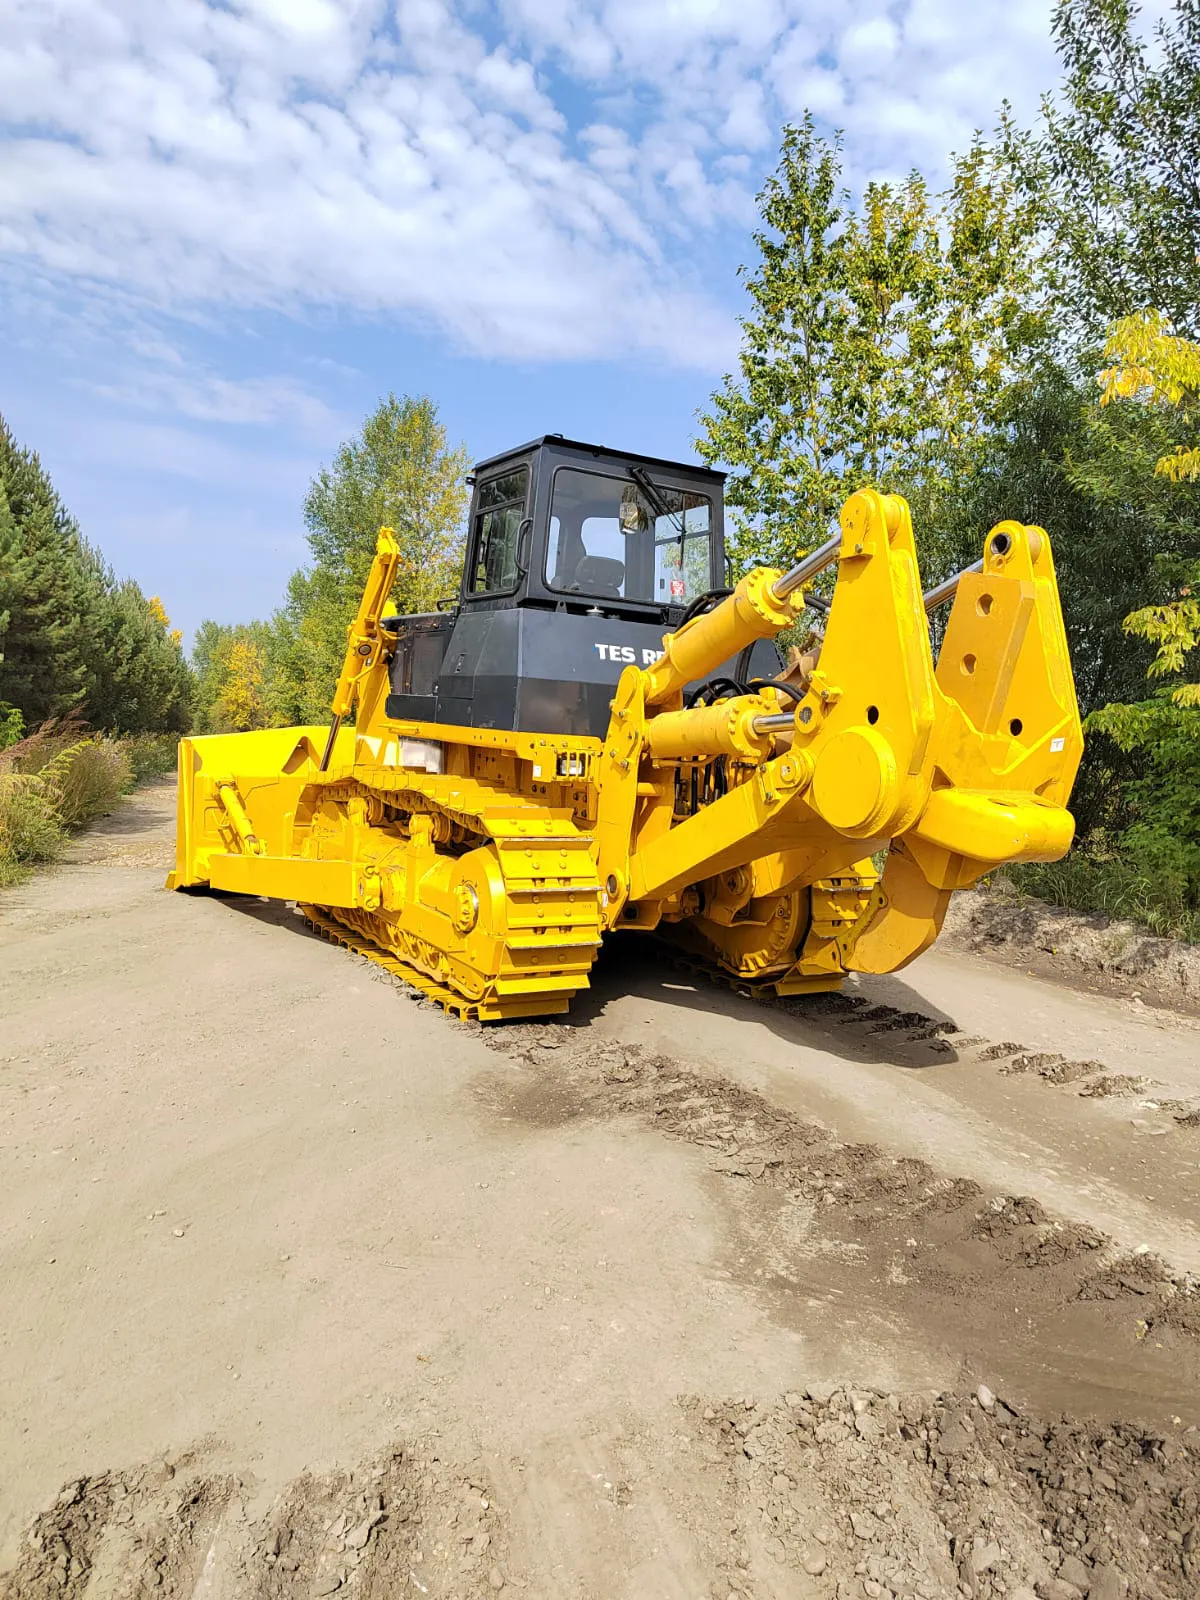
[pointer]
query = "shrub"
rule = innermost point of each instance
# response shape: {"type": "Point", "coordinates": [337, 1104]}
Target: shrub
{"type": "Point", "coordinates": [152, 755]}
{"type": "Point", "coordinates": [1145, 881]}
{"type": "Point", "coordinates": [12, 725]}
{"type": "Point", "coordinates": [30, 828]}
{"type": "Point", "coordinates": [85, 777]}
{"type": "Point", "coordinates": [91, 779]}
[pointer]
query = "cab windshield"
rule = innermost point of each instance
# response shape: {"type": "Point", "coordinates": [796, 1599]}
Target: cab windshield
{"type": "Point", "coordinates": [627, 539]}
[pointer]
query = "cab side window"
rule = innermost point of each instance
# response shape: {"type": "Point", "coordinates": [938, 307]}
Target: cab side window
{"type": "Point", "coordinates": [500, 511]}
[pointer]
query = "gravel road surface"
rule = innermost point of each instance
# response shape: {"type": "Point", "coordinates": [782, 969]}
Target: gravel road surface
{"type": "Point", "coordinates": [309, 1290]}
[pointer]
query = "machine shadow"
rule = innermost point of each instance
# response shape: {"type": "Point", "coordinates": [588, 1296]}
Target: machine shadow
{"type": "Point", "coordinates": [630, 965]}
{"type": "Point", "coordinates": [633, 965]}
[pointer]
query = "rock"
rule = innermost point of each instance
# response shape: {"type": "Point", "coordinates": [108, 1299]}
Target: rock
{"type": "Point", "coordinates": [1107, 1584]}
{"type": "Point", "coordinates": [815, 1562]}
{"type": "Point", "coordinates": [859, 1402]}
{"type": "Point", "coordinates": [1021, 1594]}
{"type": "Point", "coordinates": [822, 1393]}
{"type": "Point", "coordinates": [792, 1400]}
{"type": "Point", "coordinates": [1076, 1572]}
{"type": "Point", "coordinates": [357, 1538]}
{"type": "Point", "coordinates": [864, 1527]}
{"type": "Point", "coordinates": [985, 1397]}
{"type": "Point", "coordinates": [953, 1440]}
{"type": "Point", "coordinates": [495, 1577]}
{"type": "Point", "coordinates": [781, 1482]}
{"type": "Point", "coordinates": [1059, 1589]}
{"type": "Point", "coordinates": [328, 1585]}
{"type": "Point", "coordinates": [984, 1557]}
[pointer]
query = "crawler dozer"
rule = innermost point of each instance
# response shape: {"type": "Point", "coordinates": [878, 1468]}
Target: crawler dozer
{"type": "Point", "coordinates": [598, 737]}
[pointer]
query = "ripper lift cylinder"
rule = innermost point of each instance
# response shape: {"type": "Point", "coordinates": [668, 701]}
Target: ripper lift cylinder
{"type": "Point", "coordinates": [730, 728]}
{"type": "Point", "coordinates": [760, 607]}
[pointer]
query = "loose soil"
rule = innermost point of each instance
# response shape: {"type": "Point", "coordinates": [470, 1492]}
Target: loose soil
{"type": "Point", "coordinates": [1102, 953]}
{"type": "Point", "coordinates": [312, 1291]}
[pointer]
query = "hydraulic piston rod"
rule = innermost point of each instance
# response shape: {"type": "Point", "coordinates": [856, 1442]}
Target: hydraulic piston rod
{"type": "Point", "coordinates": [815, 562]}
{"type": "Point", "coordinates": [775, 722]}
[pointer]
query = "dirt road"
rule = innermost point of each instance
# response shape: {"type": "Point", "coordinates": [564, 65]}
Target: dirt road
{"type": "Point", "coordinates": [308, 1290]}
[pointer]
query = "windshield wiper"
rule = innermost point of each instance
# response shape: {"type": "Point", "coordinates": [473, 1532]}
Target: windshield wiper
{"type": "Point", "coordinates": [654, 495]}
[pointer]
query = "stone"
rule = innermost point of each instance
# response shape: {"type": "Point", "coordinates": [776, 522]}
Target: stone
{"type": "Point", "coordinates": [985, 1397]}
{"type": "Point", "coordinates": [495, 1577]}
{"type": "Point", "coordinates": [815, 1562]}
{"type": "Point", "coordinates": [984, 1557]}
{"type": "Point", "coordinates": [1077, 1572]}
{"type": "Point", "coordinates": [1023, 1593]}
{"type": "Point", "coordinates": [953, 1440]}
{"type": "Point", "coordinates": [864, 1527]}
{"type": "Point", "coordinates": [1107, 1584]}
{"type": "Point", "coordinates": [357, 1538]}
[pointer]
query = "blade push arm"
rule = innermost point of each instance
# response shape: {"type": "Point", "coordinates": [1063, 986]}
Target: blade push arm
{"type": "Point", "coordinates": [364, 641]}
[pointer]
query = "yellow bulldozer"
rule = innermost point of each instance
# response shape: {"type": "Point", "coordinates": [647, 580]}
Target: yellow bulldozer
{"type": "Point", "coordinates": [599, 735]}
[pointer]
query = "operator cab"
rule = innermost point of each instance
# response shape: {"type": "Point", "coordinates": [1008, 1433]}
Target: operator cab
{"type": "Point", "coordinates": [570, 525]}
{"type": "Point", "coordinates": [578, 560]}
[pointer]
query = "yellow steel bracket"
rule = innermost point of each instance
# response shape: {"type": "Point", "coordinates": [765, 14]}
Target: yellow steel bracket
{"type": "Point", "coordinates": [868, 715]}
{"type": "Point", "coordinates": [617, 778]}
{"type": "Point", "coordinates": [1004, 751]}
{"type": "Point", "coordinates": [364, 639]}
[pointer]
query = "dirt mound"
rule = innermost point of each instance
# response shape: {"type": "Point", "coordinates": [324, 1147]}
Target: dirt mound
{"type": "Point", "coordinates": [1075, 947]}
{"type": "Point", "coordinates": [859, 1493]}
{"type": "Point", "coordinates": [833, 1493]}
{"type": "Point", "coordinates": [403, 1521]}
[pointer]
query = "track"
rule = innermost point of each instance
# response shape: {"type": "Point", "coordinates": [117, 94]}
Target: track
{"type": "Point", "coordinates": [313, 1290]}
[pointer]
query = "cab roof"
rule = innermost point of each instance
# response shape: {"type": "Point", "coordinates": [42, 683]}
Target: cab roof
{"type": "Point", "coordinates": [600, 452]}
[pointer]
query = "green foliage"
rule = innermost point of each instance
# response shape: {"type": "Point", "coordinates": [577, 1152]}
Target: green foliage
{"type": "Point", "coordinates": [1086, 474]}
{"type": "Point", "coordinates": [74, 638]}
{"type": "Point", "coordinates": [30, 829]}
{"type": "Point", "coordinates": [152, 755]}
{"type": "Point", "coordinates": [398, 472]}
{"type": "Point", "coordinates": [880, 341]}
{"type": "Point", "coordinates": [232, 666]}
{"type": "Point", "coordinates": [57, 781]}
{"type": "Point", "coordinates": [1116, 882]}
{"type": "Point", "coordinates": [12, 726]}
{"type": "Point", "coordinates": [1115, 166]}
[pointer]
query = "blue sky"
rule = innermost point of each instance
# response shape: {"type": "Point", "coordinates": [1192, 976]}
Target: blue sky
{"type": "Point", "coordinates": [228, 226]}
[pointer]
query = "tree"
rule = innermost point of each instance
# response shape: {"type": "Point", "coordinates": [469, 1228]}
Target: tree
{"type": "Point", "coordinates": [74, 638]}
{"type": "Point", "coordinates": [881, 339]}
{"type": "Point", "coordinates": [1116, 166]}
{"type": "Point", "coordinates": [231, 663]}
{"type": "Point", "coordinates": [1155, 369]}
{"type": "Point", "coordinates": [241, 703]}
{"type": "Point", "coordinates": [43, 671]}
{"type": "Point", "coordinates": [400, 472]}
{"type": "Point", "coordinates": [397, 471]}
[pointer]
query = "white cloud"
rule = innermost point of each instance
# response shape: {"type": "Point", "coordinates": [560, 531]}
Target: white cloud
{"type": "Point", "coordinates": [549, 192]}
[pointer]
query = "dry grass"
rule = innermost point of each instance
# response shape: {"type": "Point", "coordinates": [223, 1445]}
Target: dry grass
{"type": "Point", "coordinates": [58, 779]}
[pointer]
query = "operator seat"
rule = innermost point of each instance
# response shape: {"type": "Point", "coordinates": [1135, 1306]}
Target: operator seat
{"type": "Point", "coordinates": [601, 576]}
